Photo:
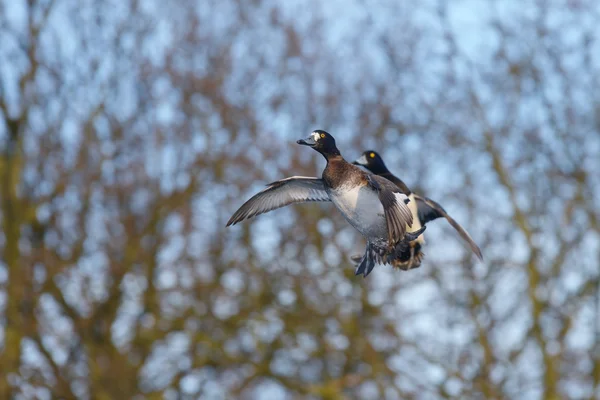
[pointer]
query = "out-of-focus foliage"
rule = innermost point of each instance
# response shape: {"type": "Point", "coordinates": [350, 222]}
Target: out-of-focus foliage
{"type": "Point", "coordinates": [130, 131]}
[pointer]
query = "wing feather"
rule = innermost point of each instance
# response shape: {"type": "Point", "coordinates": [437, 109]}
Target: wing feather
{"type": "Point", "coordinates": [296, 189]}
{"type": "Point", "coordinates": [430, 210]}
{"type": "Point", "coordinates": [394, 202]}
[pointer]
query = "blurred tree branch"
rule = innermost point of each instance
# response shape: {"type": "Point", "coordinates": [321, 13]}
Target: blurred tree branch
{"type": "Point", "coordinates": [131, 131]}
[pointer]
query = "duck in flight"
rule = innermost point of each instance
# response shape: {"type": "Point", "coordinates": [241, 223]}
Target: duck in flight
{"type": "Point", "coordinates": [373, 205]}
{"type": "Point", "coordinates": [423, 210]}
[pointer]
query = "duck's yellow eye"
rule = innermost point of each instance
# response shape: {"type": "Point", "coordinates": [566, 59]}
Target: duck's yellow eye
{"type": "Point", "coordinates": [322, 135]}
{"type": "Point", "coordinates": [372, 155]}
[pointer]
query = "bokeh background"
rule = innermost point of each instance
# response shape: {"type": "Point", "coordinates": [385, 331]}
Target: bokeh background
{"type": "Point", "coordinates": [131, 130]}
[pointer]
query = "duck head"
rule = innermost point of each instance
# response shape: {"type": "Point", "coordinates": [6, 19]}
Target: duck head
{"type": "Point", "coordinates": [371, 161]}
{"type": "Point", "coordinates": [322, 142]}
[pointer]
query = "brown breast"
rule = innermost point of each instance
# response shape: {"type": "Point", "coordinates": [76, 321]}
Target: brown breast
{"type": "Point", "coordinates": [339, 172]}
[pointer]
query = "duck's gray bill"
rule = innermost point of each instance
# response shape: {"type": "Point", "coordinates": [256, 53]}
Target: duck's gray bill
{"type": "Point", "coordinates": [309, 141]}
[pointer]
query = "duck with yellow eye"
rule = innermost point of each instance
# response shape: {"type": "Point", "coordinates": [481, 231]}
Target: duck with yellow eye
{"type": "Point", "coordinates": [374, 206]}
{"type": "Point", "coordinates": [423, 209]}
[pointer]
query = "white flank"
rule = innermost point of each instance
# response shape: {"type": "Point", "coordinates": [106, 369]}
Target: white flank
{"type": "Point", "coordinates": [362, 209]}
{"type": "Point", "coordinates": [416, 225]}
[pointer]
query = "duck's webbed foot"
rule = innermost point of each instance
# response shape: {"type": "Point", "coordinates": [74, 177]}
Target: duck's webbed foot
{"type": "Point", "coordinates": [407, 254]}
{"type": "Point", "coordinates": [356, 258]}
{"type": "Point", "coordinates": [367, 263]}
{"type": "Point", "coordinates": [411, 259]}
{"type": "Point", "coordinates": [404, 246]}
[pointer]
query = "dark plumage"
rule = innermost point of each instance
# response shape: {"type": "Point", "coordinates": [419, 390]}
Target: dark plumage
{"type": "Point", "coordinates": [371, 204]}
{"type": "Point", "coordinates": [424, 209]}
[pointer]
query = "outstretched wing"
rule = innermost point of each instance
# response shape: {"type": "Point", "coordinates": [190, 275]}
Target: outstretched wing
{"type": "Point", "coordinates": [430, 210]}
{"type": "Point", "coordinates": [397, 213]}
{"type": "Point", "coordinates": [296, 189]}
